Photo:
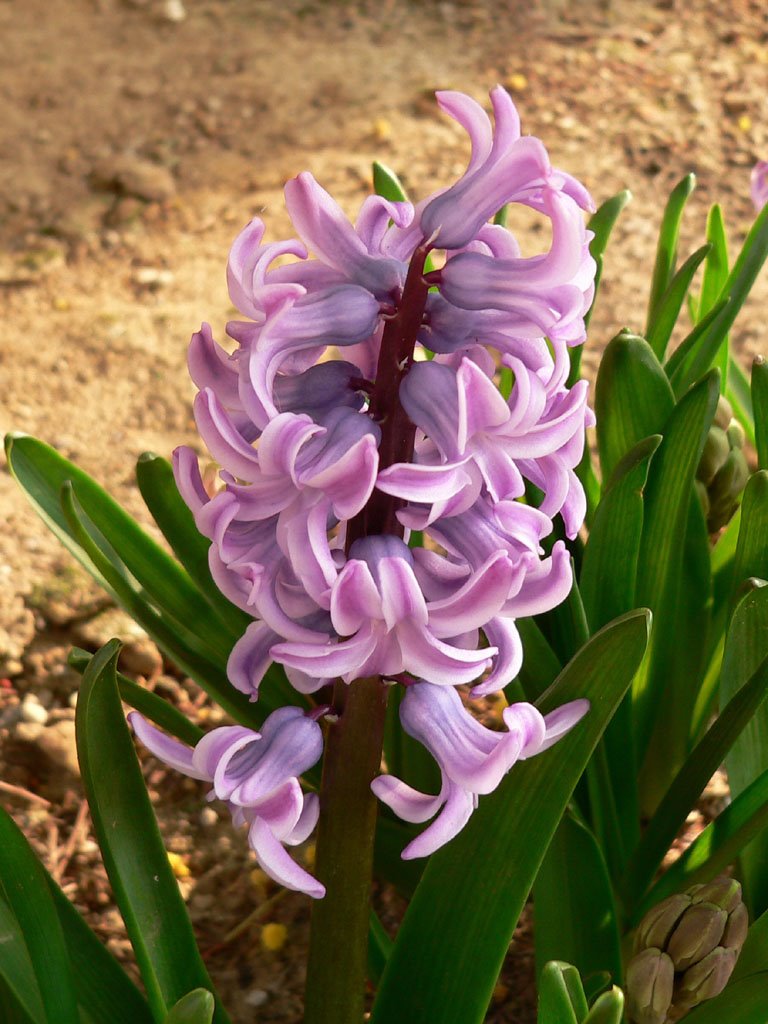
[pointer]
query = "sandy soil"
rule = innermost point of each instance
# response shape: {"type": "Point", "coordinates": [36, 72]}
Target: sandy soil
{"type": "Point", "coordinates": [136, 142]}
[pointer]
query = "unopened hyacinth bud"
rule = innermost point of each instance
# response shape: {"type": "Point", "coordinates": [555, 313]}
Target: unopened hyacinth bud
{"type": "Point", "coordinates": [685, 950]}
{"type": "Point", "coordinates": [723, 472]}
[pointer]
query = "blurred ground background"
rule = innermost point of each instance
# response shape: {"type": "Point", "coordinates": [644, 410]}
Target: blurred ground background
{"type": "Point", "coordinates": [136, 138]}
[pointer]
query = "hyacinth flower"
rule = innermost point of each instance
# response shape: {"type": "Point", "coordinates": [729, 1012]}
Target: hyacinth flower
{"type": "Point", "coordinates": [256, 774]}
{"type": "Point", "coordinates": [359, 406]}
{"type": "Point", "coordinates": [759, 184]}
{"type": "Point", "coordinates": [472, 758]}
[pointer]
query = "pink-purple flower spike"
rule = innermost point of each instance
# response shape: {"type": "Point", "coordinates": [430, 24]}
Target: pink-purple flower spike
{"type": "Point", "coordinates": [328, 463]}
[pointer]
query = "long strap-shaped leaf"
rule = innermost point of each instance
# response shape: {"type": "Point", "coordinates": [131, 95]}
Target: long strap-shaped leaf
{"type": "Point", "coordinates": [738, 286]}
{"type": "Point", "coordinates": [754, 954]}
{"type": "Point", "coordinates": [667, 509]}
{"type": "Point", "coordinates": [689, 783]}
{"type": "Point", "coordinates": [103, 990]}
{"type": "Point", "coordinates": [456, 932]}
{"type": "Point", "coordinates": [41, 472]}
{"type": "Point", "coordinates": [154, 476]}
{"type": "Point", "coordinates": [16, 973]}
{"type": "Point", "coordinates": [672, 301]}
{"type": "Point", "coordinates": [206, 672]}
{"type": "Point", "coordinates": [601, 224]}
{"type": "Point", "coordinates": [24, 887]}
{"type": "Point", "coordinates": [716, 847]}
{"type": "Point", "coordinates": [574, 915]}
{"type": "Point", "coordinates": [742, 1002]}
{"type": "Point", "coordinates": [760, 407]}
{"type": "Point", "coordinates": [633, 399]}
{"type": "Point", "coordinates": [133, 851]}
{"type": "Point", "coordinates": [157, 710]}
{"type": "Point", "coordinates": [666, 249]}
{"type": "Point", "coordinates": [746, 648]}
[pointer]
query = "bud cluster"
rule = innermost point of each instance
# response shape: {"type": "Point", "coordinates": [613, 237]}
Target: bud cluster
{"type": "Point", "coordinates": [723, 471]}
{"type": "Point", "coordinates": [685, 951]}
{"type": "Point", "coordinates": [359, 408]}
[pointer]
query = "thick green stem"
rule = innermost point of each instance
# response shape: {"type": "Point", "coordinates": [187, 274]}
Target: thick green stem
{"type": "Point", "coordinates": [339, 936]}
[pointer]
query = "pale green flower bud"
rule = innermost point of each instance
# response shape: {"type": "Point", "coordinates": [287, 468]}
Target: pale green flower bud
{"type": "Point", "coordinates": [650, 982]}
{"type": "Point", "coordinates": [735, 434]}
{"type": "Point", "coordinates": [723, 413]}
{"type": "Point", "coordinates": [716, 451]}
{"type": "Point", "coordinates": [722, 471]}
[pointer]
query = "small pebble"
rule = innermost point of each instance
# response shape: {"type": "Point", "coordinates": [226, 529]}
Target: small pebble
{"type": "Point", "coordinates": [255, 998]}
{"type": "Point", "coordinates": [208, 817]}
{"type": "Point", "coordinates": [33, 711]}
{"type": "Point", "coordinates": [273, 936]}
{"type": "Point", "coordinates": [173, 11]}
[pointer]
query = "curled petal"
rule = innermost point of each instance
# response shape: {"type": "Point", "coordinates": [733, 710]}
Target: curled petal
{"type": "Point", "coordinates": [278, 864]}
{"type": "Point", "coordinates": [456, 812]}
{"type": "Point", "coordinates": [169, 750]}
{"type": "Point", "coordinates": [250, 658]}
{"type": "Point", "coordinates": [327, 232]}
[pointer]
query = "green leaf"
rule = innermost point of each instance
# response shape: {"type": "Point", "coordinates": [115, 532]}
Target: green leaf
{"type": "Point", "coordinates": [471, 931]}
{"type": "Point", "coordinates": [760, 406]}
{"type": "Point", "coordinates": [751, 557]}
{"type": "Point", "coordinates": [102, 988]}
{"type": "Point", "coordinates": [132, 849]}
{"type": "Point", "coordinates": [42, 472]}
{"type": "Point", "coordinates": [195, 1007]}
{"type": "Point", "coordinates": [541, 666]}
{"type": "Point", "coordinates": [666, 250]}
{"type": "Point", "coordinates": [193, 659]}
{"type": "Point", "coordinates": [379, 948]}
{"type": "Point", "coordinates": [149, 704]}
{"type": "Point", "coordinates": [672, 301]}
{"type": "Point", "coordinates": [688, 345]}
{"type": "Point", "coordinates": [716, 847]}
{"type": "Point", "coordinates": [740, 280]}
{"type": "Point", "coordinates": [177, 524]}
{"type": "Point", "coordinates": [682, 660]}
{"type": "Point", "coordinates": [387, 184]}
{"type": "Point", "coordinates": [716, 266]}
{"type": "Point", "coordinates": [16, 968]}
{"type": "Point", "coordinates": [738, 394]}
{"type": "Point", "coordinates": [609, 567]}
{"type": "Point", "coordinates": [607, 584]}
{"type": "Point", "coordinates": [690, 782]}
{"type": "Point", "coordinates": [565, 626]}
{"type": "Point", "coordinates": [746, 652]}
{"type": "Point", "coordinates": [668, 507]}
{"type": "Point", "coordinates": [11, 1009]}
{"type": "Point", "coordinates": [754, 953]}
{"type": "Point", "coordinates": [24, 887]}
{"type": "Point", "coordinates": [558, 984]}
{"type": "Point", "coordinates": [741, 1002]}
{"type": "Point", "coordinates": [607, 1008]}
{"type": "Point", "coordinates": [714, 281]}
{"type": "Point", "coordinates": [574, 912]}
{"type": "Point", "coordinates": [633, 399]}
{"type": "Point", "coordinates": [392, 836]}
{"type": "Point", "coordinates": [602, 223]}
